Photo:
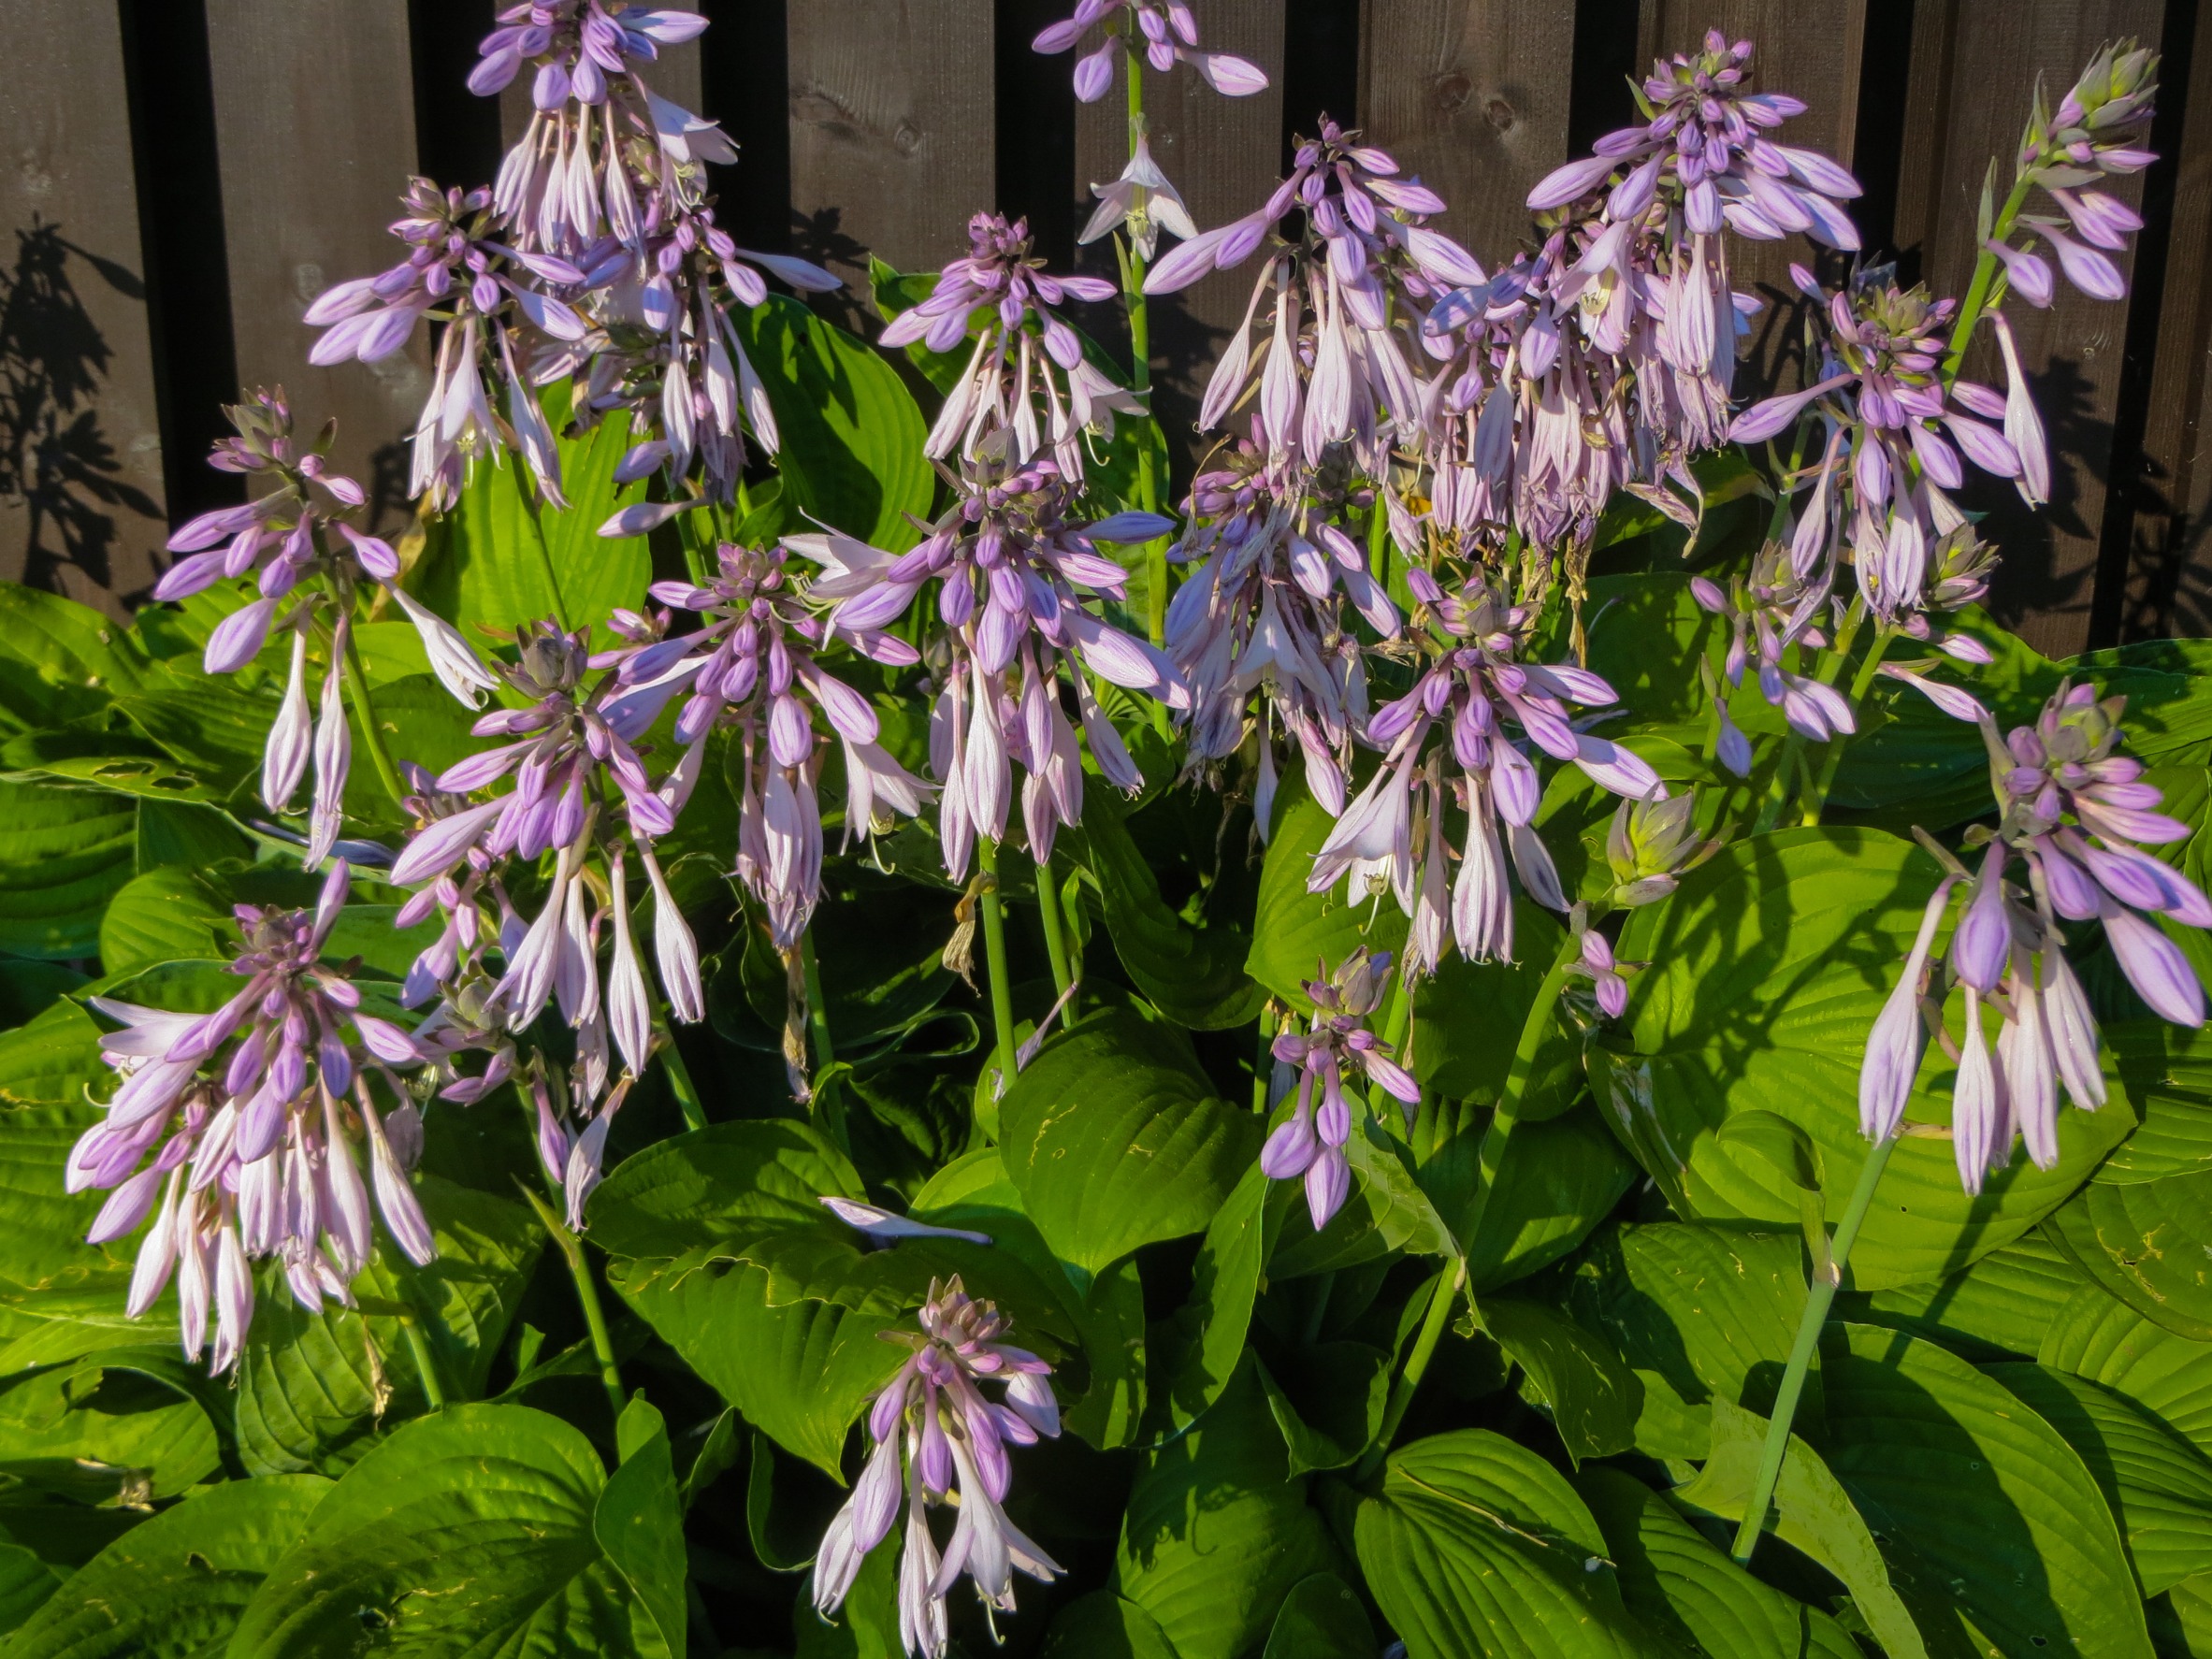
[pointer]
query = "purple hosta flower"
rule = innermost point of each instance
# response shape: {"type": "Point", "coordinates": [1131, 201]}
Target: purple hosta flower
{"type": "Point", "coordinates": [1471, 688]}
{"type": "Point", "coordinates": [1011, 570]}
{"type": "Point", "coordinates": [1170, 34]}
{"type": "Point", "coordinates": [1593, 961]}
{"type": "Point", "coordinates": [487, 292]}
{"type": "Point", "coordinates": [570, 743]}
{"type": "Point", "coordinates": [600, 140]}
{"type": "Point", "coordinates": [1026, 376]}
{"type": "Point", "coordinates": [1142, 203]}
{"type": "Point", "coordinates": [1311, 1142]}
{"type": "Point", "coordinates": [2064, 850]}
{"type": "Point", "coordinates": [752, 668]}
{"type": "Point", "coordinates": [247, 1116]}
{"type": "Point", "coordinates": [937, 1434]}
{"type": "Point", "coordinates": [1892, 439]}
{"type": "Point", "coordinates": [1772, 609]}
{"type": "Point", "coordinates": [2084, 142]}
{"type": "Point", "coordinates": [1263, 615]}
{"type": "Point", "coordinates": [1703, 150]}
{"type": "Point", "coordinates": [1350, 291]}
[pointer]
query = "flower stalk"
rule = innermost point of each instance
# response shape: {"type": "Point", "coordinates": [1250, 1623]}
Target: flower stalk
{"type": "Point", "coordinates": [588, 1297]}
{"type": "Point", "coordinates": [365, 706]}
{"type": "Point", "coordinates": [994, 951]}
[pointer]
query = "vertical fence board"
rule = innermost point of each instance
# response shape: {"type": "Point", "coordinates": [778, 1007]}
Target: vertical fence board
{"type": "Point", "coordinates": [2073, 351]}
{"type": "Point", "coordinates": [314, 121]}
{"type": "Point", "coordinates": [1224, 155]}
{"type": "Point", "coordinates": [2169, 567]}
{"type": "Point", "coordinates": [891, 119]}
{"type": "Point", "coordinates": [81, 480]}
{"type": "Point", "coordinates": [1471, 94]}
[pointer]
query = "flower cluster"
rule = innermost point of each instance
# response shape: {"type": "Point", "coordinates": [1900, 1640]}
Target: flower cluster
{"type": "Point", "coordinates": [1310, 1143]}
{"type": "Point", "coordinates": [1008, 391]}
{"type": "Point", "coordinates": [751, 669]}
{"type": "Point", "coordinates": [252, 1114]}
{"type": "Point", "coordinates": [1011, 564]}
{"type": "Point", "coordinates": [933, 1425]}
{"type": "Point", "coordinates": [2064, 850]}
{"type": "Point", "coordinates": [1170, 35]}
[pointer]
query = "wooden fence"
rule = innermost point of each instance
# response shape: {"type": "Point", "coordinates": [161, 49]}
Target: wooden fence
{"type": "Point", "coordinates": [182, 176]}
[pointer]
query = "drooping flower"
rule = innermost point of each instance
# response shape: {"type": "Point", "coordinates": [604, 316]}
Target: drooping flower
{"type": "Point", "coordinates": [1170, 37]}
{"type": "Point", "coordinates": [1012, 563]}
{"type": "Point", "coordinates": [1026, 383]}
{"type": "Point", "coordinates": [933, 1425]}
{"type": "Point", "coordinates": [1142, 203]}
{"type": "Point", "coordinates": [752, 668]}
{"type": "Point", "coordinates": [251, 1114]}
{"type": "Point", "coordinates": [1310, 1144]}
{"type": "Point", "coordinates": [2073, 814]}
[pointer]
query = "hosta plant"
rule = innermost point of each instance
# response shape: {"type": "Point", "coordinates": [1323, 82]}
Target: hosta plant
{"type": "Point", "coordinates": [834, 1007]}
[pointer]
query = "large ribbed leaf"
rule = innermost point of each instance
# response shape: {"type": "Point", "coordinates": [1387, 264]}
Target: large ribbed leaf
{"type": "Point", "coordinates": [1195, 976]}
{"type": "Point", "coordinates": [1575, 1376]}
{"type": "Point", "coordinates": [1473, 1545]}
{"type": "Point", "coordinates": [2159, 1485]}
{"type": "Point", "coordinates": [1297, 934]}
{"type": "Point", "coordinates": [2110, 1343]}
{"type": "Point", "coordinates": [1998, 1308]}
{"type": "Point", "coordinates": [176, 1585]}
{"type": "Point", "coordinates": [1676, 1583]}
{"type": "Point", "coordinates": [1979, 1505]}
{"type": "Point", "coordinates": [2149, 1243]}
{"type": "Point", "coordinates": [1769, 965]}
{"type": "Point", "coordinates": [467, 1531]}
{"type": "Point", "coordinates": [1115, 1139]}
{"type": "Point", "coordinates": [63, 855]}
{"type": "Point", "coordinates": [2167, 1072]}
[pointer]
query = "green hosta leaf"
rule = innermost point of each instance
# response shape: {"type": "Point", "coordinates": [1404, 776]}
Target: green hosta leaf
{"type": "Point", "coordinates": [1114, 1139]}
{"type": "Point", "coordinates": [51, 1059]}
{"type": "Point", "coordinates": [498, 560]}
{"type": "Point", "coordinates": [77, 655]}
{"type": "Point", "coordinates": [851, 433]}
{"type": "Point", "coordinates": [1999, 1308]}
{"type": "Point", "coordinates": [2167, 1072]}
{"type": "Point", "coordinates": [1296, 932]}
{"type": "Point", "coordinates": [1676, 1582]}
{"type": "Point", "coordinates": [211, 727]}
{"type": "Point", "coordinates": [1557, 1181]}
{"type": "Point", "coordinates": [165, 916]}
{"type": "Point", "coordinates": [41, 1246]}
{"type": "Point", "coordinates": [1467, 1022]}
{"type": "Point", "coordinates": [320, 1390]}
{"type": "Point", "coordinates": [1473, 1545]}
{"type": "Point", "coordinates": [1980, 1502]}
{"type": "Point", "coordinates": [2149, 1243]}
{"type": "Point", "coordinates": [26, 1583]}
{"type": "Point", "coordinates": [1217, 1532]}
{"type": "Point", "coordinates": [1811, 1512]}
{"type": "Point", "coordinates": [99, 1432]}
{"type": "Point", "coordinates": [1709, 1313]}
{"type": "Point", "coordinates": [1593, 1398]}
{"type": "Point", "coordinates": [1195, 976]}
{"type": "Point", "coordinates": [1321, 1615]}
{"type": "Point", "coordinates": [467, 1531]}
{"type": "Point", "coordinates": [64, 852]}
{"type": "Point", "coordinates": [177, 1583]}
{"type": "Point", "coordinates": [1102, 1625]}
{"type": "Point", "coordinates": [2181, 1620]}
{"type": "Point", "coordinates": [2159, 1485]}
{"type": "Point", "coordinates": [1770, 964]}
{"type": "Point", "coordinates": [1207, 1332]}
{"type": "Point", "coordinates": [1327, 1400]}
{"type": "Point", "coordinates": [639, 1520]}
{"type": "Point", "coordinates": [2108, 1342]}
{"type": "Point", "coordinates": [725, 1181]}
{"type": "Point", "coordinates": [178, 832]}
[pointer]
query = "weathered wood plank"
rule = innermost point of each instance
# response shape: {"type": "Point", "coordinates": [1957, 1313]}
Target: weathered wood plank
{"type": "Point", "coordinates": [2168, 572]}
{"type": "Point", "coordinates": [891, 111]}
{"type": "Point", "coordinates": [1224, 155]}
{"type": "Point", "coordinates": [314, 122]}
{"type": "Point", "coordinates": [80, 461]}
{"type": "Point", "coordinates": [1472, 95]}
{"type": "Point", "coordinates": [2072, 352]}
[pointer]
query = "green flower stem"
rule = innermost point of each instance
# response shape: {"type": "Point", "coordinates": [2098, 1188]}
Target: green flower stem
{"type": "Point", "coordinates": [1263, 1058]}
{"type": "Point", "coordinates": [426, 1363]}
{"type": "Point", "coordinates": [357, 679]}
{"type": "Point", "coordinates": [1448, 1284]}
{"type": "Point", "coordinates": [1984, 278]}
{"type": "Point", "coordinates": [995, 950]}
{"type": "Point", "coordinates": [1055, 935]}
{"type": "Point", "coordinates": [1861, 683]}
{"type": "Point", "coordinates": [1140, 353]}
{"type": "Point", "coordinates": [587, 1296]}
{"type": "Point", "coordinates": [1819, 1295]}
{"type": "Point", "coordinates": [679, 1078]}
{"type": "Point", "coordinates": [828, 1102]}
